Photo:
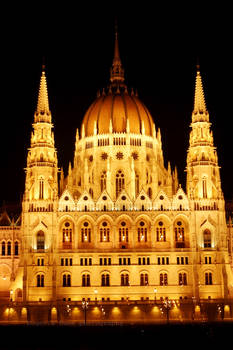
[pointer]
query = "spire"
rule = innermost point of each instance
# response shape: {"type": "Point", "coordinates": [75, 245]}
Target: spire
{"type": "Point", "coordinates": [199, 98]}
{"type": "Point", "coordinates": [117, 71]}
{"type": "Point", "coordinates": [43, 113]}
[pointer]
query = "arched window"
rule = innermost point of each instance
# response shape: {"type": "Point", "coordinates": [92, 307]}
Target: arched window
{"type": "Point", "coordinates": [8, 248]}
{"type": "Point", "coordinates": [40, 240]}
{"type": "Point", "coordinates": [103, 179]}
{"type": "Point", "coordinates": [179, 234]}
{"type": "Point", "coordinates": [40, 280]}
{"type": "Point", "coordinates": [3, 248]}
{"type": "Point", "coordinates": [208, 278]}
{"type": "Point", "coordinates": [104, 231]}
{"type": "Point", "coordinates": [124, 279]}
{"type": "Point", "coordinates": [66, 280]}
{"type": "Point", "coordinates": [204, 187]}
{"type": "Point", "coordinates": [120, 182]}
{"type": "Point", "coordinates": [105, 280]}
{"type": "Point", "coordinates": [163, 279]}
{"type": "Point", "coordinates": [144, 279]}
{"type": "Point", "coordinates": [136, 184]}
{"type": "Point", "coordinates": [86, 232]}
{"type": "Point", "coordinates": [207, 239]}
{"type": "Point", "coordinates": [182, 279]}
{"type": "Point", "coordinates": [142, 232]}
{"type": "Point", "coordinates": [16, 250]}
{"type": "Point", "coordinates": [123, 232]}
{"type": "Point", "coordinates": [149, 192]}
{"type": "Point", "coordinates": [160, 232]}
{"type": "Point", "coordinates": [67, 233]}
{"type": "Point", "coordinates": [86, 281]}
{"type": "Point", "coordinates": [41, 188]}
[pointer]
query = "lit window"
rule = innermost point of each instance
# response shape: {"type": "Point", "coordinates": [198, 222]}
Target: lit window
{"type": "Point", "coordinates": [67, 232]}
{"type": "Point", "coordinates": [160, 232]}
{"type": "Point", "coordinates": [86, 232]}
{"type": "Point", "coordinates": [40, 240]}
{"type": "Point", "coordinates": [104, 232]}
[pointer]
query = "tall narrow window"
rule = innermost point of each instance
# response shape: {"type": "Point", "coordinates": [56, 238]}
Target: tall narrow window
{"type": "Point", "coordinates": [67, 233]}
{"type": "Point", "coordinates": [103, 179]}
{"type": "Point", "coordinates": [16, 248]}
{"type": "Point", "coordinates": [66, 280]}
{"type": "Point", "coordinates": [104, 232]}
{"type": "Point", "coordinates": [3, 248]}
{"type": "Point", "coordinates": [120, 182]}
{"type": "Point", "coordinates": [40, 280]}
{"type": "Point", "coordinates": [123, 232]}
{"type": "Point", "coordinates": [8, 248]}
{"type": "Point", "coordinates": [208, 278]}
{"type": "Point", "coordinates": [179, 235]}
{"type": "Point", "coordinates": [124, 279]}
{"type": "Point", "coordinates": [105, 280]}
{"type": "Point", "coordinates": [86, 232]}
{"type": "Point", "coordinates": [137, 184]}
{"type": "Point", "coordinates": [163, 280]}
{"type": "Point", "coordinates": [142, 232]}
{"type": "Point", "coordinates": [207, 239]}
{"type": "Point", "coordinates": [40, 240]}
{"type": "Point", "coordinates": [144, 280]}
{"type": "Point", "coordinates": [160, 232]}
{"type": "Point", "coordinates": [204, 187]}
{"type": "Point", "coordinates": [182, 279]}
{"type": "Point", "coordinates": [41, 189]}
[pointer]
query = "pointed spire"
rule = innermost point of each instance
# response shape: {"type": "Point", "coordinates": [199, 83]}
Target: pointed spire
{"type": "Point", "coordinates": [43, 113]}
{"type": "Point", "coordinates": [117, 71]}
{"type": "Point", "coordinates": [199, 98]}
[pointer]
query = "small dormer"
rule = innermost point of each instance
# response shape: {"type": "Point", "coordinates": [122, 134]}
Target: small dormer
{"type": "Point", "coordinates": [123, 202]}
{"type": "Point", "coordinates": [180, 200]}
{"type": "Point", "coordinates": [66, 202]}
{"type": "Point", "coordinates": [85, 202]}
{"type": "Point", "coordinates": [104, 202]}
{"type": "Point", "coordinates": [143, 202]}
{"type": "Point", "coordinates": [162, 202]}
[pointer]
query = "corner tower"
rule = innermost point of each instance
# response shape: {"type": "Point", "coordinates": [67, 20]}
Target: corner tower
{"type": "Point", "coordinates": [203, 178]}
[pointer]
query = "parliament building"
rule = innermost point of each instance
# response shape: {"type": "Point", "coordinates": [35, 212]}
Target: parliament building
{"type": "Point", "coordinates": [118, 229]}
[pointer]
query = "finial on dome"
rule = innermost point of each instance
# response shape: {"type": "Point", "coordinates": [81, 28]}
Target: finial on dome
{"type": "Point", "coordinates": [117, 71]}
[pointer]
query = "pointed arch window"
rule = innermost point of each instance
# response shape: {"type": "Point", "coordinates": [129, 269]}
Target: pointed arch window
{"type": "Point", "coordinates": [67, 235]}
{"type": "Point", "coordinates": [142, 231]}
{"type": "Point", "coordinates": [104, 231]}
{"type": "Point", "coordinates": [160, 232]}
{"type": "Point", "coordinates": [179, 234]}
{"type": "Point", "coordinates": [207, 239]}
{"type": "Point", "coordinates": [204, 187]}
{"type": "Point", "coordinates": [182, 279]}
{"type": "Point", "coordinates": [103, 179]}
{"type": "Point", "coordinates": [123, 232]}
{"type": "Point", "coordinates": [120, 182]}
{"type": "Point", "coordinates": [3, 248]}
{"type": "Point", "coordinates": [124, 279]}
{"type": "Point", "coordinates": [66, 280]}
{"type": "Point", "coordinates": [40, 280]}
{"type": "Point", "coordinates": [41, 188]}
{"type": "Point", "coordinates": [16, 248]}
{"type": "Point", "coordinates": [163, 279]}
{"type": "Point", "coordinates": [86, 232]}
{"type": "Point", "coordinates": [40, 241]}
{"type": "Point", "coordinates": [136, 184]}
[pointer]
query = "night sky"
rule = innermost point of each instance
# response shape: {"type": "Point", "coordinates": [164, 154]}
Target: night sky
{"type": "Point", "coordinates": [159, 48]}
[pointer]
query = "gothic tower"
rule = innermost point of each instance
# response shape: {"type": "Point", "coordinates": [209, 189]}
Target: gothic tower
{"type": "Point", "coordinates": [203, 179]}
{"type": "Point", "coordinates": [40, 197]}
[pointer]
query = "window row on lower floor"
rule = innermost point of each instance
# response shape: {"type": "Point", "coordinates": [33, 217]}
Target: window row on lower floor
{"type": "Point", "coordinates": [124, 279]}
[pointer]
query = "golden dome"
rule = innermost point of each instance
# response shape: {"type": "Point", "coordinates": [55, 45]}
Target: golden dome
{"type": "Point", "coordinates": [117, 112]}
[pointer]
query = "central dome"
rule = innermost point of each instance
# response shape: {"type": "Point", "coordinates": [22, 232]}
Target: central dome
{"type": "Point", "coordinates": [117, 111]}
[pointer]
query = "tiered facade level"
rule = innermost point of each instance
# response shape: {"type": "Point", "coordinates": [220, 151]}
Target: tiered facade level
{"type": "Point", "coordinates": [119, 227]}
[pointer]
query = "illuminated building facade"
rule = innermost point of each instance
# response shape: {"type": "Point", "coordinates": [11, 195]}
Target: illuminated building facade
{"type": "Point", "coordinates": [119, 227]}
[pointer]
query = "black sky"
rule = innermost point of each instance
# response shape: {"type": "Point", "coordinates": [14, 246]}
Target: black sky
{"type": "Point", "coordinates": [159, 47]}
